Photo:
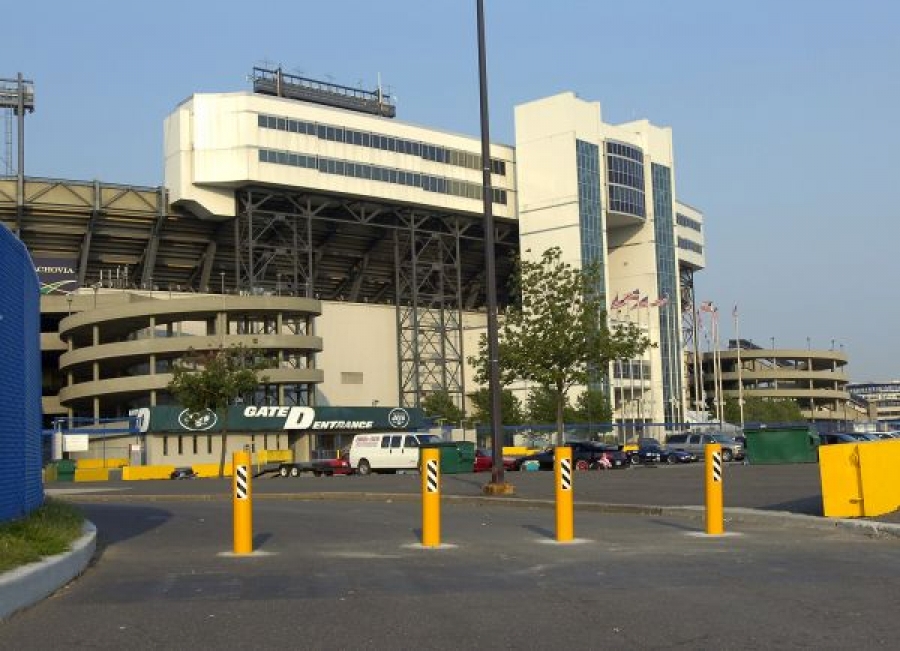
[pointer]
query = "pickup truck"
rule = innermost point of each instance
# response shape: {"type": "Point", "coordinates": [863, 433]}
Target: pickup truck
{"type": "Point", "coordinates": [327, 467]}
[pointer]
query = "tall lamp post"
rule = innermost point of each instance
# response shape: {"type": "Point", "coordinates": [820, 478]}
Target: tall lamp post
{"type": "Point", "coordinates": [497, 484]}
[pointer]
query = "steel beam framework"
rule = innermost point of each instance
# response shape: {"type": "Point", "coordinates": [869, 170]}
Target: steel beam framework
{"type": "Point", "coordinates": [428, 263]}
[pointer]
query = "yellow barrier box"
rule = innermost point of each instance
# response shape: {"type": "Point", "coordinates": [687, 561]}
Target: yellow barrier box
{"type": "Point", "coordinates": [91, 474]}
{"type": "Point", "coordinates": [859, 479]}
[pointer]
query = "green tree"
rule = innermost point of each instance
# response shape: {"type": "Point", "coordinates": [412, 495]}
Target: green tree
{"type": "Point", "coordinates": [213, 380]}
{"type": "Point", "coordinates": [558, 336]}
{"type": "Point", "coordinates": [592, 406]}
{"type": "Point", "coordinates": [542, 404]}
{"type": "Point", "coordinates": [440, 406]}
{"type": "Point", "coordinates": [510, 406]}
{"type": "Point", "coordinates": [762, 410]}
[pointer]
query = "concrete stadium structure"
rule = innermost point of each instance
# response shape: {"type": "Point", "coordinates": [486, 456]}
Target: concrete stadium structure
{"type": "Point", "coordinates": [816, 380]}
{"type": "Point", "coordinates": [303, 219]}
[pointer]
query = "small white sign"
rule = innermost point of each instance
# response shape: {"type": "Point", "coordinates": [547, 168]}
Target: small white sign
{"type": "Point", "coordinates": [75, 443]}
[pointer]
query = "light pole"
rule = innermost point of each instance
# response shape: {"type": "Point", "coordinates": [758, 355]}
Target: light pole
{"type": "Point", "coordinates": [497, 485]}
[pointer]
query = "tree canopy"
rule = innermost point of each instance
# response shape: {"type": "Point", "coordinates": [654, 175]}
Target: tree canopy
{"type": "Point", "coordinates": [214, 380]}
{"type": "Point", "coordinates": [759, 410]}
{"type": "Point", "coordinates": [510, 407]}
{"type": "Point", "coordinates": [558, 336]}
{"type": "Point", "coordinates": [440, 406]}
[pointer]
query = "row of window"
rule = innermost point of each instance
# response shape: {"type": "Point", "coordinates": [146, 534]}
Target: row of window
{"type": "Point", "coordinates": [625, 151]}
{"type": "Point", "coordinates": [625, 172]}
{"type": "Point", "coordinates": [426, 182]}
{"type": "Point", "coordinates": [690, 245]}
{"type": "Point", "coordinates": [435, 153]}
{"type": "Point", "coordinates": [687, 222]}
{"type": "Point", "coordinates": [627, 200]}
{"type": "Point", "coordinates": [180, 444]}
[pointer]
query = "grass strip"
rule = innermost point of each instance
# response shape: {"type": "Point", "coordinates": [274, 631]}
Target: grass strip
{"type": "Point", "coordinates": [49, 530]}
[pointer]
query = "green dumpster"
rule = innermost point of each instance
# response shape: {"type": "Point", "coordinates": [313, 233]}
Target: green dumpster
{"type": "Point", "coordinates": [456, 456]}
{"type": "Point", "coordinates": [782, 444]}
{"type": "Point", "coordinates": [65, 470]}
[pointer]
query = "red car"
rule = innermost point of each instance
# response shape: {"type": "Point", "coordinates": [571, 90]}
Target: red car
{"type": "Point", "coordinates": [484, 461]}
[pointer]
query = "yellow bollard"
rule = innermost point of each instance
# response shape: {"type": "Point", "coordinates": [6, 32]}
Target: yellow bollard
{"type": "Point", "coordinates": [714, 518]}
{"type": "Point", "coordinates": [243, 504]}
{"type": "Point", "coordinates": [431, 497]}
{"type": "Point", "coordinates": [562, 468]}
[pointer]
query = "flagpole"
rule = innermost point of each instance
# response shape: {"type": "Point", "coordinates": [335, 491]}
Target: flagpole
{"type": "Point", "coordinates": [737, 336]}
{"type": "Point", "coordinates": [671, 362]}
{"type": "Point", "coordinates": [643, 356]}
{"type": "Point", "coordinates": [698, 381]}
{"type": "Point", "coordinates": [717, 370]}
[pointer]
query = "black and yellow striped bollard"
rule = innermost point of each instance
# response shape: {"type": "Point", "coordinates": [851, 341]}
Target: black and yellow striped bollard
{"type": "Point", "coordinates": [243, 504]}
{"type": "Point", "coordinates": [562, 466]}
{"type": "Point", "coordinates": [431, 497]}
{"type": "Point", "coordinates": [714, 509]}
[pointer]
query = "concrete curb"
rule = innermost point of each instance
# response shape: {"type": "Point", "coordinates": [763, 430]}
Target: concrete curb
{"type": "Point", "coordinates": [29, 584]}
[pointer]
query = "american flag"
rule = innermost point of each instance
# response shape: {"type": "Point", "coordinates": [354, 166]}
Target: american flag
{"type": "Point", "coordinates": [617, 304]}
{"type": "Point", "coordinates": [633, 295]}
{"type": "Point", "coordinates": [644, 302]}
{"type": "Point", "coordinates": [708, 306]}
{"type": "Point", "coordinates": [660, 302]}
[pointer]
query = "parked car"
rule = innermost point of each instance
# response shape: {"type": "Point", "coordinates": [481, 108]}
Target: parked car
{"type": "Point", "coordinates": [731, 449]}
{"type": "Point", "coordinates": [672, 456]}
{"type": "Point", "coordinates": [586, 455]}
{"type": "Point", "coordinates": [484, 461]}
{"type": "Point", "coordinates": [185, 472]}
{"type": "Point", "coordinates": [646, 453]}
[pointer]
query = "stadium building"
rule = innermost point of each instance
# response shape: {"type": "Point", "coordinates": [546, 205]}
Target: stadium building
{"type": "Point", "coordinates": [305, 220]}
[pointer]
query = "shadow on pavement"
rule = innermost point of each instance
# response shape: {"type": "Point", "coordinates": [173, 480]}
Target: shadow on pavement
{"type": "Point", "coordinates": [116, 523]}
{"type": "Point", "coordinates": [806, 506]}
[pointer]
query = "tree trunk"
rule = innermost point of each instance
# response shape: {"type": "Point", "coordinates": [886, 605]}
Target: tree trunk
{"type": "Point", "coordinates": [560, 417]}
{"type": "Point", "coordinates": [224, 437]}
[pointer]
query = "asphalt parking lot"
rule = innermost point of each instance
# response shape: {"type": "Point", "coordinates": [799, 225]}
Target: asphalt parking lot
{"type": "Point", "coordinates": [338, 565]}
{"type": "Point", "coordinates": [349, 574]}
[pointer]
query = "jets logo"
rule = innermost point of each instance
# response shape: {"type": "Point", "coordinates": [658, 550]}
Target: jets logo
{"type": "Point", "coordinates": [198, 421]}
{"type": "Point", "coordinates": [398, 418]}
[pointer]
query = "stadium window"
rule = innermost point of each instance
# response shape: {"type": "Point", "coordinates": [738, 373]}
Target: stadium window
{"type": "Point", "coordinates": [165, 446]}
{"type": "Point", "coordinates": [180, 444]}
{"type": "Point", "coordinates": [209, 444]}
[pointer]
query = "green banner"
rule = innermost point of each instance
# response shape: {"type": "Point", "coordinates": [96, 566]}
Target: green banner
{"type": "Point", "coordinates": [251, 418]}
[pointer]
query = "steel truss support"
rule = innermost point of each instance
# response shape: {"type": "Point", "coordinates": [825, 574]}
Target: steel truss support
{"type": "Point", "coordinates": [690, 336]}
{"type": "Point", "coordinates": [428, 263]}
{"type": "Point", "coordinates": [429, 311]}
{"type": "Point", "coordinates": [273, 249]}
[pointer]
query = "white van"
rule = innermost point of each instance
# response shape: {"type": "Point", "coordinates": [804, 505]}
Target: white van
{"type": "Point", "coordinates": [387, 452]}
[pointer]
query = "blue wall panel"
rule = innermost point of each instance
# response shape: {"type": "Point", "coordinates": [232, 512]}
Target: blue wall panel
{"type": "Point", "coordinates": [21, 489]}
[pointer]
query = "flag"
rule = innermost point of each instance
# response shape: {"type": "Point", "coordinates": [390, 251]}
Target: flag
{"type": "Point", "coordinates": [633, 295]}
{"type": "Point", "coordinates": [644, 302]}
{"type": "Point", "coordinates": [707, 306]}
{"type": "Point", "coordinates": [660, 302]}
{"type": "Point", "coordinates": [616, 304]}
{"type": "Point", "coordinates": [734, 312]}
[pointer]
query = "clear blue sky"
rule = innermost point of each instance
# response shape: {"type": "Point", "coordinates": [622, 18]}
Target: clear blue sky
{"type": "Point", "coordinates": [784, 112]}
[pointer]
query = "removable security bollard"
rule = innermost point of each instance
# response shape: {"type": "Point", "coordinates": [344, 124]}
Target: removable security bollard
{"type": "Point", "coordinates": [243, 504]}
{"type": "Point", "coordinates": [431, 497]}
{"type": "Point", "coordinates": [562, 467]}
{"type": "Point", "coordinates": [714, 518]}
